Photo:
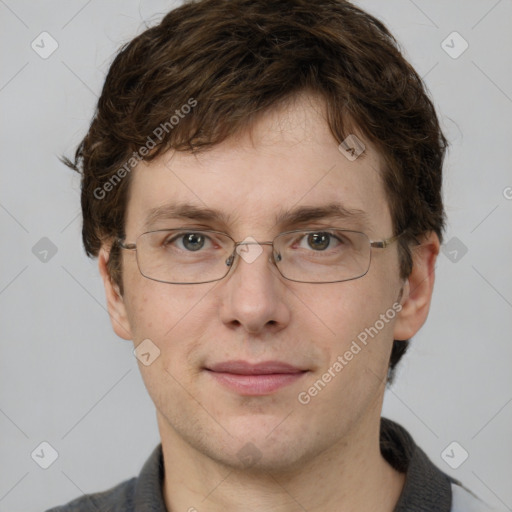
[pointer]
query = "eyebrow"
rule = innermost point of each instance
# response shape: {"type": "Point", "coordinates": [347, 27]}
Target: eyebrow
{"type": "Point", "coordinates": [284, 219]}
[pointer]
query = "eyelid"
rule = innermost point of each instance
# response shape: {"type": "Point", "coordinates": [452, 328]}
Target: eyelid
{"type": "Point", "coordinates": [321, 226]}
{"type": "Point", "coordinates": [333, 236]}
{"type": "Point", "coordinates": [177, 237]}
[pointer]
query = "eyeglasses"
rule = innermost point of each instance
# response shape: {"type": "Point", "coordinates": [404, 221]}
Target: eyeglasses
{"type": "Point", "coordinates": [189, 256]}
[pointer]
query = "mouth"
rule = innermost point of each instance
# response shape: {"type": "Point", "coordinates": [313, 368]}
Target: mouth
{"type": "Point", "coordinates": [257, 379]}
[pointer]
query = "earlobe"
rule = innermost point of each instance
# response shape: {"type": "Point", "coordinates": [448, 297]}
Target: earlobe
{"type": "Point", "coordinates": [115, 301]}
{"type": "Point", "coordinates": [418, 289]}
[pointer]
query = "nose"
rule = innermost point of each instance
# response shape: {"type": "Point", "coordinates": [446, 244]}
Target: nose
{"type": "Point", "coordinates": [254, 291]}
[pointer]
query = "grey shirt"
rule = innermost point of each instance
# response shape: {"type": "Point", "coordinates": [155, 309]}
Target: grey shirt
{"type": "Point", "coordinates": [426, 489]}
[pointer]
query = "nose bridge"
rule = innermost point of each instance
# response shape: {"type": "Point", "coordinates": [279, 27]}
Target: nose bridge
{"type": "Point", "coordinates": [253, 293]}
{"type": "Point", "coordinates": [248, 258]}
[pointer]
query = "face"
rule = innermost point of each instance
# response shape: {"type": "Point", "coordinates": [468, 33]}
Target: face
{"type": "Point", "coordinates": [288, 160]}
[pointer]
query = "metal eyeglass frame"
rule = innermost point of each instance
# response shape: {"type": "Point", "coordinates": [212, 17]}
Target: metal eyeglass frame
{"type": "Point", "coordinates": [375, 244]}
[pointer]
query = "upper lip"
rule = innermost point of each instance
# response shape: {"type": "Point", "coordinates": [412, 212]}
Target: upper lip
{"type": "Point", "coordinates": [245, 368]}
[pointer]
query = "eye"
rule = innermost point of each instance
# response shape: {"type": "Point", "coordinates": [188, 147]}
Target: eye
{"type": "Point", "coordinates": [320, 241]}
{"type": "Point", "coordinates": [191, 242]}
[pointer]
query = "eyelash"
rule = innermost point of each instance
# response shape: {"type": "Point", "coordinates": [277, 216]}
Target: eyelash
{"type": "Point", "coordinates": [170, 240]}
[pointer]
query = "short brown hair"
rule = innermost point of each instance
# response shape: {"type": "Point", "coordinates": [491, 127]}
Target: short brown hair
{"type": "Point", "coordinates": [238, 58]}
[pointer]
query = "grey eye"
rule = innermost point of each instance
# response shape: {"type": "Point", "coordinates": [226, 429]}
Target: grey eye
{"type": "Point", "coordinates": [190, 242]}
{"type": "Point", "coordinates": [193, 241]}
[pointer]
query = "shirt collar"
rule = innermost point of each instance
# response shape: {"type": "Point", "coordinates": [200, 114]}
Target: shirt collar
{"type": "Point", "coordinates": [427, 488]}
{"type": "Point", "coordinates": [148, 494]}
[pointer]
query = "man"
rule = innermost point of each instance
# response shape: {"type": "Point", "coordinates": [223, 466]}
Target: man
{"type": "Point", "coordinates": [261, 184]}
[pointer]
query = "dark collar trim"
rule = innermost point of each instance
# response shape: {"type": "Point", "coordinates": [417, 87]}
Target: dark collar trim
{"type": "Point", "coordinates": [427, 488]}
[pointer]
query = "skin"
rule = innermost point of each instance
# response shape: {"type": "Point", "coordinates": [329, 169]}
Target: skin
{"type": "Point", "coordinates": [323, 456]}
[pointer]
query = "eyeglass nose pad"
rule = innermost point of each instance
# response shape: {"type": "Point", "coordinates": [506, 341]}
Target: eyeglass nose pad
{"type": "Point", "coordinates": [277, 258]}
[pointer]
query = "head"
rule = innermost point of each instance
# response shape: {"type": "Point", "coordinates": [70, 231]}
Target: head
{"type": "Point", "coordinates": [240, 106]}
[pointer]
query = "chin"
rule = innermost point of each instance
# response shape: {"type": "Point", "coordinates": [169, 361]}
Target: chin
{"type": "Point", "coordinates": [251, 457]}
{"type": "Point", "coordinates": [258, 447]}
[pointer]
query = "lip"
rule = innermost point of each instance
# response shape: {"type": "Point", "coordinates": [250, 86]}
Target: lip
{"type": "Point", "coordinates": [255, 379]}
{"type": "Point", "coordinates": [240, 367]}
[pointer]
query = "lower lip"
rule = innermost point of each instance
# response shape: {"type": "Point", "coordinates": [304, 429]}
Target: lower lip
{"type": "Point", "coordinates": [255, 385]}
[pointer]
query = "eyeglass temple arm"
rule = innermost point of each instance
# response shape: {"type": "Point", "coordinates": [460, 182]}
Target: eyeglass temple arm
{"type": "Point", "coordinates": [382, 244]}
{"type": "Point", "coordinates": [123, 245]}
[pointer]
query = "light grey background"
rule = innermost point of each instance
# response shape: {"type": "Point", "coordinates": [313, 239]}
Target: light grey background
{"type": "Point", "coordinates": [64, 376]}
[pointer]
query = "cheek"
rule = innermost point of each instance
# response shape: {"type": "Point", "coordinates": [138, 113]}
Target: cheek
{"type": "Point", "coordinates": [350, 307]}
{"type": "Point", "coordinates": [357, 319]}
{"type": "Point", "coordinates": [355, 351]}
{"type": "Point", "coordinates": [153, 308]}
{"type": "Point", "coordinates": [172, 317]}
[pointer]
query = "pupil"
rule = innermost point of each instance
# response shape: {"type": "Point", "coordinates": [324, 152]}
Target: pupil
{"type": "Point", "coordinates": [193, 241]}
{"type": "Point", "coordinates": [319, 240]}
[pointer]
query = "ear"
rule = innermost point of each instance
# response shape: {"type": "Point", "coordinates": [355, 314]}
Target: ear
{"type": "Point", "coordinates": [418, 288]}
{"type": "Point", "coordinates": [115, 301]}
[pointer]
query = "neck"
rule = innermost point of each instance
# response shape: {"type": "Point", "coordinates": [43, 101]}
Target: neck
{"type": "Point", "coordinates": [351, 476]}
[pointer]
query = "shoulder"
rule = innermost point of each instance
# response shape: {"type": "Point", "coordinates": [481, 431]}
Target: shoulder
{"type": "Point", "coordinates": [464, 500]}
{"type": "Point", "coordinates": [118, 498]}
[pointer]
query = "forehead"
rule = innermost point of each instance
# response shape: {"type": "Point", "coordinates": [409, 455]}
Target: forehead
{"type": "Point", "coordinates": [285, 167]}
